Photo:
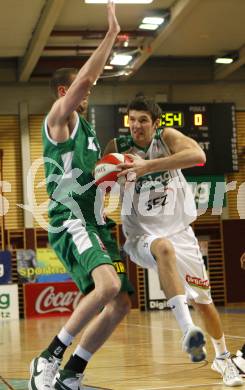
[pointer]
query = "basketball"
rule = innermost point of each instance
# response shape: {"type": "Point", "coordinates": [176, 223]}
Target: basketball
{"type": "Point", "coordinates": [106, 169]}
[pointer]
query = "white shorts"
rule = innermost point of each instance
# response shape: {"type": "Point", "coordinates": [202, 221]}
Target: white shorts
{"type": "Point", "coordinates": [190, 263]}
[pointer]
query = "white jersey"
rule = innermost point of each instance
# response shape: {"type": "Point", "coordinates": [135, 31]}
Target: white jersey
{"type": "Point", "coordinates": [160, 203]}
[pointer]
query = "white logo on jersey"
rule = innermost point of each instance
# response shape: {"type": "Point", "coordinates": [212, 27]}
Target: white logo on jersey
{"type": "Point", "coordinates": [91, 144]}
{"type": "Point", "coordinates": [67, 162]}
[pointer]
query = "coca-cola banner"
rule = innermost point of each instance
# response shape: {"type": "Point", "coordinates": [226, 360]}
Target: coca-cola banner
{"type": "Point", "coordinates": [50, 299]}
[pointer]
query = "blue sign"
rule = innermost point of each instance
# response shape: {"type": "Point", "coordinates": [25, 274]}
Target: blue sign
{"type": "Point", "coordinates": [5, 267]}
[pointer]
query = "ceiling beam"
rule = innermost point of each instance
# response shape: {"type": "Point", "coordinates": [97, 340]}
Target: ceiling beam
{"type": "Point", "coordinates": [179, 13]}
{"type": "Point", "coordinates": [40, 36]}
{"type": "Point", "coordinates": [224, 71]}
{"type": "Point", "coordinates": [99, 34]}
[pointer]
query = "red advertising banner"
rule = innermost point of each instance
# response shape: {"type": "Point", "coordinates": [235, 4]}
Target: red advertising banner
{"type": "Point", "coordinates": [50, 299]}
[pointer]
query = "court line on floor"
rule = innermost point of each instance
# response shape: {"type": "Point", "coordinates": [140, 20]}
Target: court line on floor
{"type": "Point", "coordinates": [196, 386]}
{"type": "Point", "coordinates": [24, 384]}
{"type": "Point", "coordinates": [149, 326]}
{"type": "Point", "coordinates": [230, 336]}
{"type": "Point", "coordinates": [6, 383]}
{"type": "Point", "coordinates": [176, 329]}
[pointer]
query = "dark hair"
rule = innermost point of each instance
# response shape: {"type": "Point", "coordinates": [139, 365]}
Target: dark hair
{"type": "Point", "coordinates": [62, 76]}
{"type": "Point", "coordinates": [141, 103]}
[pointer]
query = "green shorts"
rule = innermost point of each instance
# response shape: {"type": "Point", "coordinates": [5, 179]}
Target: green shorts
{"type": "Point", "coordinates": [83, 248]}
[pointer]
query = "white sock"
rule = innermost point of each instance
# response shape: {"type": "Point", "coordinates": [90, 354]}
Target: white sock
{"type": "Point", "coordinates": [181, 312]}
{"type": "Point", "coordinates": [82, 353]}
{"type": "Point", "coordinates": [220, 347]}
{"type": "Point", "coordinates": [65, 337]}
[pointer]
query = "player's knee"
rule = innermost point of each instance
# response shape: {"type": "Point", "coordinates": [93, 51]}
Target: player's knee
{"type": "Point", "coordinates": [109, 290]}
{"type": "Point", "coordinates": [119, 307]}
{"type": "Point", "coordinates": [164, 250]}
{"type": "Point", "coordinates": [115, 287]}
{"type": "Point", "coordinates": [124, 305]}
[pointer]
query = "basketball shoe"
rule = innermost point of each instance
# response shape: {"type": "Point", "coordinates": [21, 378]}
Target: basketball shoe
{"type": "Point", "coordinates": [193, 343]}
{"type": "Point", "coordinates": [239, 361]}
{"type": "Point", "coordinates": [68, 380]}
{"type": "Point", "coordinates": [43, 370]}
{"type": "Point", "coordinates": [227, 369]}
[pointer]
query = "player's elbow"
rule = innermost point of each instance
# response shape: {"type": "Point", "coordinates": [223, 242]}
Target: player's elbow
{"type": "Point", "coordinates": [201, 157]}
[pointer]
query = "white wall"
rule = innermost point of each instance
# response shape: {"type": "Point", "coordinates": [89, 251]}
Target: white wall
{"type": "Point", "coordinates": [39, 97]}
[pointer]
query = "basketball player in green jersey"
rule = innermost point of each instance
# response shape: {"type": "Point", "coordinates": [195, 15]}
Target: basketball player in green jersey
{"type": "Point", "coordinates": [83, 244]}
{"type": "Point", "coordinates": [157, 231]}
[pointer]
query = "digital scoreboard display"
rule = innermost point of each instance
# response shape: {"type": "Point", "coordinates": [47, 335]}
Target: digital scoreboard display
{"type": "Point", "coordinates": [212, 125]}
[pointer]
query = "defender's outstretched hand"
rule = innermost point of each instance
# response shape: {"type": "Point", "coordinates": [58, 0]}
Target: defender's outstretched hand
{"type": "Point", "coordinates": [112, 19]}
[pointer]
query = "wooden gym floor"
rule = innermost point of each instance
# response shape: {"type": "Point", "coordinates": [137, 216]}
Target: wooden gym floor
{"type": "Point", "coordinates": [144, 353]}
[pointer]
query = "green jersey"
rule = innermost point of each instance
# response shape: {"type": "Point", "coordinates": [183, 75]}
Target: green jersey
{"type": "Point", "coordinates": [68, 171]}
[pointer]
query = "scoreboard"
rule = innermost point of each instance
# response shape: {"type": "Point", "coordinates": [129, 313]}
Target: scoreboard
{"type": "Point", "coordinates": [212, 125]}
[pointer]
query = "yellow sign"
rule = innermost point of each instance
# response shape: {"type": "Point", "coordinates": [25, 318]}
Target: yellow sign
{"type": "Point", "coordinates": [47, 258]}
{"type": "Point", "coordinates": [125, 121]}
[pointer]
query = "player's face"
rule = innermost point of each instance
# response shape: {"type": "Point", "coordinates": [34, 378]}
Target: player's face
{"type": "Point", "coordinates": [82, 109]}
{"type": "Point", "coordinates": [141, 127]}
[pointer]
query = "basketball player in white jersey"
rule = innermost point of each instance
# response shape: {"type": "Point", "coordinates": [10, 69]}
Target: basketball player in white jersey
{"type": "Point", "coordinates": [156, 214]}
{"type": "Point", "coordinates": [239, 358]}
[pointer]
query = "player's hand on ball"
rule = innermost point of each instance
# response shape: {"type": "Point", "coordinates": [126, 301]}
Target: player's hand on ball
{"type": "Point", "coordinates": [107, 169]}
{"type": "Point", "coordinates": [132, 170]}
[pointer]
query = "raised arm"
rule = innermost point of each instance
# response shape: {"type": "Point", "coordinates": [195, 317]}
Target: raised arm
{"type": "Point", "coordinates": [85, 78]}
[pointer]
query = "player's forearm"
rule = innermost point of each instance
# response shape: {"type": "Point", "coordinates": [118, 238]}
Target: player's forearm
{"type": "Point", "coordinates": [185, 159]}
{"type": "Point", "coordinates": [95, 65]}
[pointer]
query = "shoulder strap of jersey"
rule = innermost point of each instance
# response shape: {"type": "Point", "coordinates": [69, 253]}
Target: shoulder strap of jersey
{"type": "Point", "coordinates": [158, 136]}
{"type": "Point", "coordinates": [48, 140]}
{"type": "Point", "coordinates": [123, 143]}
{"type": "Point", "coordinates": [159, 132]}
{"type": "Point", "coordinates": [87, 124]}
{"type": "Point", "coordinates": [45, 134]}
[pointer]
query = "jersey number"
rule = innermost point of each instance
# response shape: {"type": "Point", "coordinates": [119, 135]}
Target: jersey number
{"type": "Point", "coordinates": [152, 203]}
